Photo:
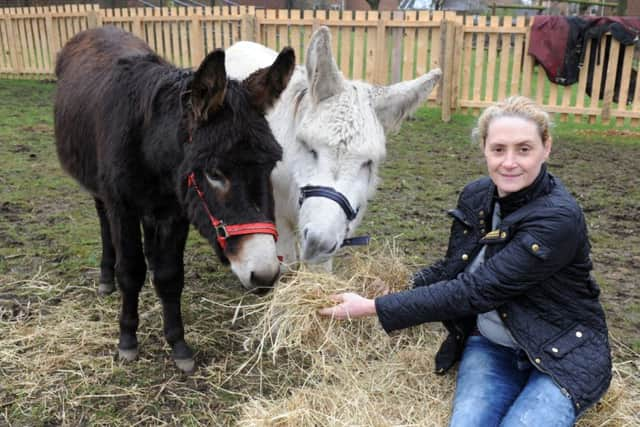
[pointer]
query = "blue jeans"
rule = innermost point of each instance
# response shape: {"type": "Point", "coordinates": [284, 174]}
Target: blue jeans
{"type": "Point", "coordinates": [498, 386]}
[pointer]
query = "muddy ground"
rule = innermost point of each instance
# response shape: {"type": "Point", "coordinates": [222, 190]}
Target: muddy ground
{"type": "Point", "coordinates": [49, 258]}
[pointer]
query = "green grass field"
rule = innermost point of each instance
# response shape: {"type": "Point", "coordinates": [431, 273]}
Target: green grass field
{"type": "Point", "coordinates": [58, 339]}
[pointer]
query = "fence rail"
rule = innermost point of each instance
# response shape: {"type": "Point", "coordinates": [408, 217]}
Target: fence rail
{"type": "Point", "coordinates": [483, 59]}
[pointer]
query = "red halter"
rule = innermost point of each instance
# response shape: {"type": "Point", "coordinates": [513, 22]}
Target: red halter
{"type": "Point", "coordinates": [224, 231]}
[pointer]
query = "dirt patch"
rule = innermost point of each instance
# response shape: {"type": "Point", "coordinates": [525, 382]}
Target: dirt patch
{"type": "Point", "coordinates": [12, 211]}
{"type": "Point", "coordinates": [38, 128]}
{"type": "Point", "coordinates": [20, 148]}
{"type": "Point", "coordinates": [13, 310]}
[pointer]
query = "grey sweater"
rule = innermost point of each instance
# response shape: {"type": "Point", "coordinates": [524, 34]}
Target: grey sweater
{"type": "Point", "coordinates": [489, 324]}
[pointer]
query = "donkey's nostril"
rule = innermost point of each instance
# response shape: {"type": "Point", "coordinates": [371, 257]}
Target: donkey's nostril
{"type": "Point", "coordinates": [318, 245]}
{"type": "Point", "coordinates": [262, 285]}
{"type": "Point", "coordinates": [305, 233]}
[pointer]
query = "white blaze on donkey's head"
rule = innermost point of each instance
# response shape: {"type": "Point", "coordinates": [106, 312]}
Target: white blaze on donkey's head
{"type": "Point", "coordinates": [340, 128]}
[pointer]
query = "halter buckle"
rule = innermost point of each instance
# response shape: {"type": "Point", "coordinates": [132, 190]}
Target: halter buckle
{"type": "Point", "coordinates": [221, 231]}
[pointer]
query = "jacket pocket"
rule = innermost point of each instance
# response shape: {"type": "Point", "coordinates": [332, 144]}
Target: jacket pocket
{"type": "Point", "coordinates": [569, 340]}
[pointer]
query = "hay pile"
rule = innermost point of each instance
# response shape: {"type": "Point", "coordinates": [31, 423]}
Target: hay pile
{"type": "Point", "coordinates": [289, 322]}
{"type": "Point", "coordinates": [58, 344]}
{"type": "Point", "coordinates": [352, 372]}
{"type": "Point", "coordinates": [58, 364]}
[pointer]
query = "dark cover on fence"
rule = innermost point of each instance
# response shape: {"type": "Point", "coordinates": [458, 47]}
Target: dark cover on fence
{"type": "Point", "coordinates": [558, 42]}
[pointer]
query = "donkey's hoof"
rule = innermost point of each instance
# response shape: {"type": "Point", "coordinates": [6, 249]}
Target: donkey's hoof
{"type": "Point", "coordinates": [128, 355]}
{"type": "Point", "coordinates": [106, 288]}
{"type": "Point", "coordinates": [185, 365]}
{"type": "Point", "coordinates": [182, 354]}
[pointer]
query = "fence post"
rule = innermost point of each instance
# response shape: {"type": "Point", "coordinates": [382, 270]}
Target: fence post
{"type": "Point", "coordinates": [447, 48]}
{"type": "Point", "coordinates": [441, 59]}
{"type": "Point", "coordinates": [54, 40]}
{"type": "Point", "coordinates": [396, 49]}
{"type": "Point", "coordinates": [456, 72]}
{"type": "Point", "coordinates": [197, 41]}
{"type": "Point", "coordinates": [15, 47]}
{"type": "Point", "coordinates": [136, 25]}
{"type": "Point", "coordinates": [609, 85]}
{"type": "Point", "coordinates": [258, 25]}
{"type": "Point", "coordinates": [316, 23]}
{"type": "Point", "coordinates": [381, 60]}
{"type": "Point", "coordinates": [248, 27]}
{"type": "Point", "coordinates": [93, 19]}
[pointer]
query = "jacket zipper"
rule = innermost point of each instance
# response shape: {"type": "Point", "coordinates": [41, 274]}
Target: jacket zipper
{"type": "Point", "coordinates": [536, 365]}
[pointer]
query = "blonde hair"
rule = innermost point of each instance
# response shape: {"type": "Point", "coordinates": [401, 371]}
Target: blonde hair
{"type": "Point", "coordinates": [514, 106]}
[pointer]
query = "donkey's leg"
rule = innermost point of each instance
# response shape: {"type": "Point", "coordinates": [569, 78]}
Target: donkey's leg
{"type": "Point", "coordinates": [107, 282]}
{"type": "Point", "coordinates": [168, 262]}
{"type": "Point", "coordinates": [130, 273]}
{"type": "Point", "coordinates": [149, 232]}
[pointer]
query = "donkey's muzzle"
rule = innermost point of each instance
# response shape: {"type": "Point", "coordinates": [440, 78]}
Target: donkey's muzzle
{"type": "Point", "coordinates": [317, 246]}
{"type": "Point", "coordinates": [261, 285]}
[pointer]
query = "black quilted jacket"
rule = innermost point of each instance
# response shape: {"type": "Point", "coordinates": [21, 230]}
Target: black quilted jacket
{"type": "Point", "coordinates": [537, 274]}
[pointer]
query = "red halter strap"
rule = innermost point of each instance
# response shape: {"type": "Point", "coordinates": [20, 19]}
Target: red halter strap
{"type": "Point", "coordinates": [224, 231]}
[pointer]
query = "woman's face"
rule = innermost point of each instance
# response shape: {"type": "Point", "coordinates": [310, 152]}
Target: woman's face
{"type": "Point", "coordinates": [515, 153]}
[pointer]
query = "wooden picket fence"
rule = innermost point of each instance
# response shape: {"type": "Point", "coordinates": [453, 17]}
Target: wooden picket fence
{"type": "Point", "coordinates": [503, 68]}
{"type": "Point", "coordinates": [483, 59]}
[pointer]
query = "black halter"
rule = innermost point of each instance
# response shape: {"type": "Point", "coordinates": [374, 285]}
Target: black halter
{"type": "Point", "coordinates": [330, 193]}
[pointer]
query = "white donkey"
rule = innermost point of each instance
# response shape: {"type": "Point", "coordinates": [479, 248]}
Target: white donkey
{"type": "Point", "coordinates": [332, 132]}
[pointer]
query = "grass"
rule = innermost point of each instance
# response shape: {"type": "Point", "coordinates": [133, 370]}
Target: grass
{"type": "Point", "coordinates": [57, 339]}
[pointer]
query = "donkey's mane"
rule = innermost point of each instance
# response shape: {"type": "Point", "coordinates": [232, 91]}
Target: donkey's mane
{"type": "Point", "coordinates": [157, 84]}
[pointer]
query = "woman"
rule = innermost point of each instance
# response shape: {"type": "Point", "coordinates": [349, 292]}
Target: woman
{"type": "Point", "coordinates": [514, 290]}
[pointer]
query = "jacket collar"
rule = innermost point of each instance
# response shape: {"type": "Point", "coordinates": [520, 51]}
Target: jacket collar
{"type": "Point", "coordinates": [514, 201]}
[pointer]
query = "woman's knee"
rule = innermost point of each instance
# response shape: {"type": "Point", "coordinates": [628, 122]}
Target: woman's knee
{"type": "Point", "coordinates": [541, 402]}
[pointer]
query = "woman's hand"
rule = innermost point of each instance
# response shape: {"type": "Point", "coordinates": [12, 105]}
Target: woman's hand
{"type": "Point", "coordinates": [350, 306]}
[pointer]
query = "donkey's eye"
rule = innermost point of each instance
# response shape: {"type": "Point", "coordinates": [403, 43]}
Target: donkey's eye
{"type": "Point", "coordinates": [215, 174]}
{"type": "Point", "coordinates": [367, 165]}
{"type": "Point", "coordinates": [311, 151]}
{"type": "Point", "coordinates": [215, 177]}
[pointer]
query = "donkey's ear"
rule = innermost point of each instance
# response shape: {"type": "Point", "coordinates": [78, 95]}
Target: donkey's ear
{"type": "Point", "coordinates": [266, 84]}
{"type": "Point", "coordinates": [209, 85]}
{"type": "Point", "coordinates": [395, 102]}
{"type": "Point", "coordinates": [325, 79]}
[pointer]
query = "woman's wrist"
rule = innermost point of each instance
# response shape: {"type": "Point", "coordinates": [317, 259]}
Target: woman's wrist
{"type": "Point", "coordinates": [371, 309]}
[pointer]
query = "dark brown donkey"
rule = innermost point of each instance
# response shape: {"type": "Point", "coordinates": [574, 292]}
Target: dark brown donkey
{"type": "Point", "coordinates": [160, 147]}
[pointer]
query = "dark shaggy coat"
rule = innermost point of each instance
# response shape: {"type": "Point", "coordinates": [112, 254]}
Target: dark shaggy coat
{"type": "Point", "coordinates": [131, 128]}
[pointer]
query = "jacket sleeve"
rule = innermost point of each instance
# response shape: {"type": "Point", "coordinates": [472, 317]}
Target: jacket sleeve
{"type": "Point", "coordinates": [438, 271]}
{"type": "Point", "coordinates": [535, 253]}
{"type": "Point", "coordinates": [429, 275]}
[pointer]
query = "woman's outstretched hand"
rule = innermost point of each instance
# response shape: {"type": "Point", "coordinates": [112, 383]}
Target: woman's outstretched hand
{"type": "Point", "coordinates": [350, 306]}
